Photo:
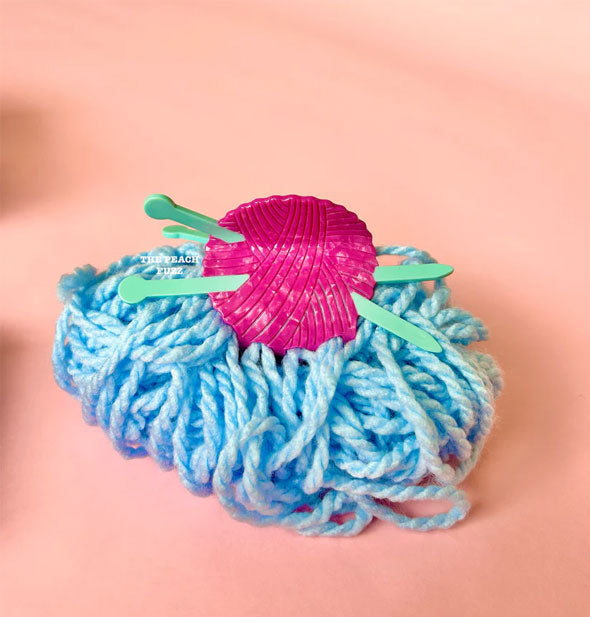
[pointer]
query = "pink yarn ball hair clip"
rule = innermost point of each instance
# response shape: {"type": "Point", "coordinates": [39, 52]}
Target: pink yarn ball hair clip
{"type": "Point", "coordinates": [286, 271]}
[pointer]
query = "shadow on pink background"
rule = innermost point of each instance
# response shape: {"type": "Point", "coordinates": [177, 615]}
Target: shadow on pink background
{"type": "Point", "coordinates": [462, 128]}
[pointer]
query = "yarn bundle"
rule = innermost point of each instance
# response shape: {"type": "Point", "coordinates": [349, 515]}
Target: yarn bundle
{"type": "Point", "coordinates": [318, 441]}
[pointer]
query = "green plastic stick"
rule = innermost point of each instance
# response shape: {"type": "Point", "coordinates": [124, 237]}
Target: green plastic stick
{"type": "Point", "coordinates": [179, 231]}
{"type": "Point", "coordinates": [162, 207]}
{"type": "Point", "coordinates": [414, 272]}
{"type": "Point", "coordinates": [134, 288]}
{"type": "Point", "coordinates": [395, 324]}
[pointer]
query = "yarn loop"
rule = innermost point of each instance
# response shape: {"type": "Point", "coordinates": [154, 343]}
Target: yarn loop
{"type": "Point", "coordinates": [319, 441]}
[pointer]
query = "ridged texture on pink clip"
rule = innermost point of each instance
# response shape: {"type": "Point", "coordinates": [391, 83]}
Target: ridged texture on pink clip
{"type": "Point", "coordinates": [304, 257]}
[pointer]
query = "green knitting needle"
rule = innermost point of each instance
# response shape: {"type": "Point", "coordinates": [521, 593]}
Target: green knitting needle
{"type": "Point", "coordinates": [159, 206]}
{"type": "Point", "coordinates": [133, 289]}
{"type": "Point", "coordinates": [407, 274]}
{"type": "Point", "coordinates": [179, 231]}
{"type": "Point", "coordinates": [395, 324]}
{"type": "Point", "coordinates": [391, 322]}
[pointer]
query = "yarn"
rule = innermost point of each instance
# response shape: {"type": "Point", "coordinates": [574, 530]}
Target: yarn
{"type": "Point", "coordinates": [304, 256]}
{"type": "Point", "coordinates": [318, 441]}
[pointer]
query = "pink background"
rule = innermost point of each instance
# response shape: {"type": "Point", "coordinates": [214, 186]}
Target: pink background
{"type": "Point", "coordinates": [461, 127]}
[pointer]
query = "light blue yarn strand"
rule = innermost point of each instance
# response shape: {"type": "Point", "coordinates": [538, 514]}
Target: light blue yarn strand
{"type": "Point", "coordinates": [321, 442]}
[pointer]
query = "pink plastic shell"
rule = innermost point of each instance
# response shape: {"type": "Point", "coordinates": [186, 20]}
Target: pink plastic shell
{"type": "Point", "coordinates": [304, 257]}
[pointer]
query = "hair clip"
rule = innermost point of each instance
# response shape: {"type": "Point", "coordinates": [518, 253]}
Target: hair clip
{"type": "Point", "coordinates": [286, 271]}
{"type": "Point", "coordinates": [321, 440]}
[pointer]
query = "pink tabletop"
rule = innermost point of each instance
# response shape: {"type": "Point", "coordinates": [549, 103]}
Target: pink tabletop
{"type": "Point", "coordinates": [462, 128]}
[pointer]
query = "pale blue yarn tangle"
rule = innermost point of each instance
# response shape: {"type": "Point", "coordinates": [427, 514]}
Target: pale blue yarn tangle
{"type": "Point", "coordinates": [321, 442]}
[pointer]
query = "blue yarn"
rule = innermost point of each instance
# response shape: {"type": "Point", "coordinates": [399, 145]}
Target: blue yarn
{"type": "Point", "coordinates": [320, 442]}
